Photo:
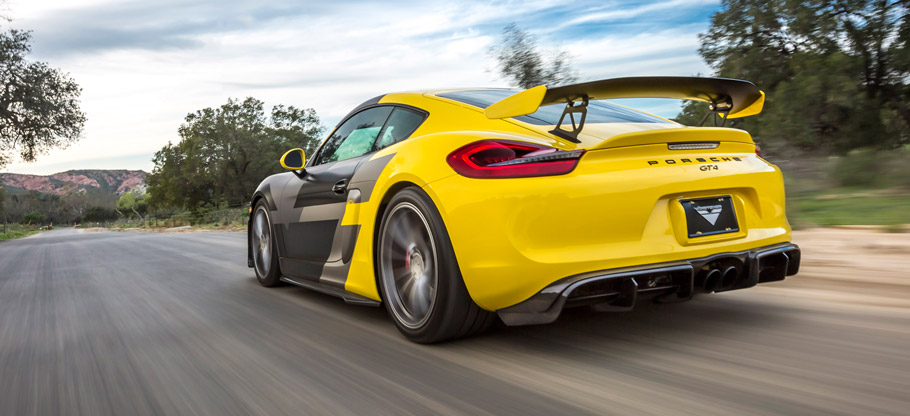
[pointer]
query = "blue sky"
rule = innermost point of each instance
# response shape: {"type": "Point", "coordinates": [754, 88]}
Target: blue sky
{"type": "Point", "coordinates": [144, 65]}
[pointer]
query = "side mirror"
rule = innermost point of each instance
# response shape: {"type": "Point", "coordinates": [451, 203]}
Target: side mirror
{"type": "Point", "coordinates": [294, 159]}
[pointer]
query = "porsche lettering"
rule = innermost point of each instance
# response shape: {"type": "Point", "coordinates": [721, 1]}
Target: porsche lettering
{"type": "Point", "coordinates": [695, 160]}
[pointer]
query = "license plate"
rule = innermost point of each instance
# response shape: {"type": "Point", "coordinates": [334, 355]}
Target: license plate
{"type": "Point", "coordinates": [710, 216]}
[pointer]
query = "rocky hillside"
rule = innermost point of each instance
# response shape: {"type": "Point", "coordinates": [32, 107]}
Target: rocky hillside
{"type": "Point", "coordinates": [111, 181]}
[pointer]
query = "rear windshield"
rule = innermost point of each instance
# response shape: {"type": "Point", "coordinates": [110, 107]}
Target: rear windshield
{"type": "Point", "coordinates": [598, 111]}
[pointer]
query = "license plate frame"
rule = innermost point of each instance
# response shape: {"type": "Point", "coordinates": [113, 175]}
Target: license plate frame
{"type": "Point", "coordinates": [701, 211]}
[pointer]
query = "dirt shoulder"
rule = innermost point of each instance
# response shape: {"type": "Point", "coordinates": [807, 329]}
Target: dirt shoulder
{"type": "Point", "coordinates": [861, 266]}
{"type": "Point", "coordinates": [183, 229]}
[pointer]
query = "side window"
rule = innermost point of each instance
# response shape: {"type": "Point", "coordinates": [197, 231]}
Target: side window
{"type": "Point", "coordinates": [401, 124]}
{"type": "Point", "coordinates": [354, 137]}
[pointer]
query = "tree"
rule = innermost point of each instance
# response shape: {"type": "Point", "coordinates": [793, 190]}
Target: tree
{"type": "Point", "coordinates": [39, 105]}
{"type": "Point", "coordinates": [35, 218]}
{"type": "Point", "coordinates": [20, 204]}
{"type": "Point", "coordinates": [521, 63]}
{"type": "Point", "coordinates": [836, 73]}
{"type": "Point", "coordinates": [225, 152]}
{"type": "Point", "coordinates": [73, 205]}
{"type": "Point", "coordinates": [296, 125]}
{"type": "Point", "coordinates": [131, 203]}
{"type": "Point", "coordinates": [2, 203]}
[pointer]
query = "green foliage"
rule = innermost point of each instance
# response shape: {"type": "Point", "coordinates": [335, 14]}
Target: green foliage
{"type": "Point", "coordinates": [39, 105]}
{"type": "Point", "coordinates": [14, 231]}
{"type": "Point", "coordinates": [868, 168]}
{"type": "Point", "coordinates": [14, 235]}
{"type": "Point", "coordinates": [521, 63]}
{"type": "Point", "coordinates": [127, 201]}
{"type": "Point", "coordinates": [848, 208]}
{"type": "Point", "coordinates": [131, 204]}
{"type": "Point", "coordinates": [859, 168]}
{"type": "Point", "coordinates": [35, 218]}
{"type": "Point", "coordinates": [835, 72]}
{"type": "Point", "coordinates": [225, 152]}
{"type": "Point", "coordinates": [298, 127]}
{"type": "Point", "coordinates": [897, 169]}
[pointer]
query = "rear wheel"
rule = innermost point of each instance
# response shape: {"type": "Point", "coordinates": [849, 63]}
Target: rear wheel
{"type": "Point", "coordinates": [262, 245]}
{"type": "Point", "coordinates": [421, 284]}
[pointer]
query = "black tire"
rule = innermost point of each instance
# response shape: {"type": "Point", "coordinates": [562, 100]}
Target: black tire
{"type": "Point", "coordinates": [262, 238]}
{"type": "Point", "coordinates": [413, 251]}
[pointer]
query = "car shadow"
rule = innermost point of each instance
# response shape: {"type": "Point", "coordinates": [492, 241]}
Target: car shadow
{"type": "Point", "coordinates": [704, 316]}
{"type": "Point", "coordinates": [702, 324]}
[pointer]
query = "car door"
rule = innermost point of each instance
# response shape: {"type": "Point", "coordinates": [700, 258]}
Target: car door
{"type": "Point", "coordinates": [315, 203]}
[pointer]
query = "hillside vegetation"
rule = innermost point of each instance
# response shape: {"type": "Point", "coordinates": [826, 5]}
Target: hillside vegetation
{"type": "Point", "coordinates": [67, 197]}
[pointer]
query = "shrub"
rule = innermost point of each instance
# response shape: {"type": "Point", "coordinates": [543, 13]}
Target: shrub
{"type": "Point", "coordinates": [859, 168]}
{"type": "Point", "coordinates": [897, 168]}
{"type": "Point", "coordinates": [35, 218]}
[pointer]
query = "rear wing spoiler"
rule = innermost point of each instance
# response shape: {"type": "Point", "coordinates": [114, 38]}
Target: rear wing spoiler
{"type": "Point", "coordinates": [731, 98]}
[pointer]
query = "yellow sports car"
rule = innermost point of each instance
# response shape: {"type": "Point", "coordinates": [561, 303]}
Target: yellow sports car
{"type": "Point", "coordinates": [455, 207]}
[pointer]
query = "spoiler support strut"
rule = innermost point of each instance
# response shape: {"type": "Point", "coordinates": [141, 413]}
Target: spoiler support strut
{"type": "Point", "coordinates": [572, 108]}
{"type": "Point", "coordinates": [717, 108]}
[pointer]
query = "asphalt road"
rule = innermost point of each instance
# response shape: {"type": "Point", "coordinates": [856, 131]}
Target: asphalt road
{"type": "Point", "coordinates": [134, 324]}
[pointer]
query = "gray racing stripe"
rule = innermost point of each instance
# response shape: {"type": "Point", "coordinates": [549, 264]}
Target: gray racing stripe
{"type": "Point", "coordinates": [366, 176]}
{"type": "Point", "coordinates": [335, 274]}
{"type": "Point", "coordinates": [322, 212]}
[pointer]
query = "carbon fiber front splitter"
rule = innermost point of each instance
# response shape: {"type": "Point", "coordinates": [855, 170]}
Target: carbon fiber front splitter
{"type": "Point", "coordinates": [619, 289]}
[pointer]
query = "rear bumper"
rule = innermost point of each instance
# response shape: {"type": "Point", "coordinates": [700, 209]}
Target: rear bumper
{"type": "Point", "coordinates": [618, 289]}
{"type": "Point", "coordinates": [514, 237]}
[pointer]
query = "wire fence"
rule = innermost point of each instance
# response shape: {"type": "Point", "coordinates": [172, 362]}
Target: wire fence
{"type": "Point", "coordinates": [238, 217]}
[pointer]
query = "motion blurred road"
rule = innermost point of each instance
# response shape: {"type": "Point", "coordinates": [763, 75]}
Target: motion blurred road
{"type": "Point", "coordinates": [155, 323]}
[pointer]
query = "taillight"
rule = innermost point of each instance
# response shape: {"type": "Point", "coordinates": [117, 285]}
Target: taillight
{"type": "Point", "coordinates": [508, 159]}
{"type": "Point", "coordinates": [757, 150]}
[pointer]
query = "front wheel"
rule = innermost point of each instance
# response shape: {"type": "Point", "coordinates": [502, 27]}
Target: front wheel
{"type": "Point", "coordinates": [421, 283]}
{"type": "Point", "coordinates": [262, 246]}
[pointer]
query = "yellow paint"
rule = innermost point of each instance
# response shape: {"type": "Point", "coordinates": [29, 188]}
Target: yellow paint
{"type": "Point", "coordinates": [513, 237]}
{"type": "Point", "coordinates": [522, 103]}
{"type": "Point", "coordinates": [302, 159]}
{"type": "Point", "coordinates": [751, 110]}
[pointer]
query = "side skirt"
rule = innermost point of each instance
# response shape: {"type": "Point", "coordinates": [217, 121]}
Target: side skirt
{"type": "Point", "coordinates": [348, 297]}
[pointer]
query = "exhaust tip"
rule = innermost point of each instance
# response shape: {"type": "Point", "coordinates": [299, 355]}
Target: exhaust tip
{"type": "Point", "coordinates": [730, 276]}
{"type": "Point", "coordinates": [712, 279]}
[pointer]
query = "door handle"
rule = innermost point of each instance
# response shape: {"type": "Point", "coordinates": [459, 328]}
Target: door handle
{"type": "Point", "coordinates": [340, 186]}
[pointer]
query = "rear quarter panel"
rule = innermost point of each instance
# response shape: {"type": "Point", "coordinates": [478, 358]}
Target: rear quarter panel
{"type": "Point", "coordinates": [419, 161]}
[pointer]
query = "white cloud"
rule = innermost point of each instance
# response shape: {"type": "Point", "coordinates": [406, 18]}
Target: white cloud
{"type": "Point", "coordinates": [615, 11]}
{"type": "Point", "coordinates": [672, 51]}
{"type": "Point", "coordinates": [136, 94]}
